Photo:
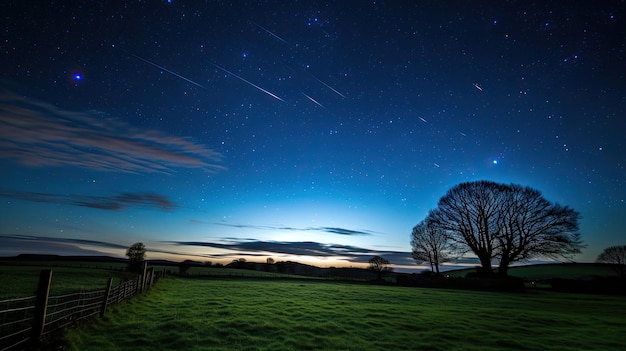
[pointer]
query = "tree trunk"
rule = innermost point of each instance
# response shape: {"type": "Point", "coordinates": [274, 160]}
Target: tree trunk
{"type": "Point", "coordinates": [485, 263]}
{"type": "Point", "coordinates": [503, 269]}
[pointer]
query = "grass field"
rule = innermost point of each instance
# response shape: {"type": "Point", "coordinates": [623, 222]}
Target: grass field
{"type": "Point", "coordinates": [247, 314]}
{"type": "Point", "coordinates": [234, 272]}
{"type": "Point", "coordinates": [21, 280]}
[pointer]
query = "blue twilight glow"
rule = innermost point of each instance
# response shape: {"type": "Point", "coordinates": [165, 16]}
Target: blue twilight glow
{"type": "Point", "coordinates": [317, 132]}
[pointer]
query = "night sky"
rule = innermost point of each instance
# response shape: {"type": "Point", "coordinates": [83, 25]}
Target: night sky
{"type": "Point", "coordinates": [319, 132]}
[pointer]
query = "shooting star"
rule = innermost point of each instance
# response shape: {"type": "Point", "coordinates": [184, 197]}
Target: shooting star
{"type": "Point", "coordinates": [269, 32]}
{"type": "Point", "coordinates": [249, 82]}
{"type": "Point", "coordinates": [165, 69]}
{"type": "Point", "coordinates": [463, 134]}
{"type": "Point", "coordinates": [423, 120]}
{"type": "Point", "coordinates": [312, 99]}
{"type": "Point", "coordinates": [477, 86]}
{"type": "Point", "coordinates": [329, 87]}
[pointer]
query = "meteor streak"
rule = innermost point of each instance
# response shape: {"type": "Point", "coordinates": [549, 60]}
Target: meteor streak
{"type": "Point", "coordinates": [249, 82]}
{"type": "Point", "coordinates": [165, 69]}
{"type": "Point", "coordinates": [269, 32]}
{"type": "Point", "coordinates": [329, 87]}
{"type": "Point", "coordinates": [312, 99]}
{"type": "Point", "coordinates": [477, 86]}
{"type": "Point", "coordinates": [423, 120]}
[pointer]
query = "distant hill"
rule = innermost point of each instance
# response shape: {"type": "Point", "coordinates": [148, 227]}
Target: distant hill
{"type": "Point", "coordinates": [37, 257]}
{"type": "Point", "coordinates": [59, 258]}
{"type": "Point", "coordinates": [296, 268]}
{"type": "Point", "coordinates": [552, 270]}
{"type": "Point", "coordinates": [530, 272]}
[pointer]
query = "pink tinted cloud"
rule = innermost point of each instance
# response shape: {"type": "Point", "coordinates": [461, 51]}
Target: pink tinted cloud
{"type": "Point", "coordinates": [37, 134]}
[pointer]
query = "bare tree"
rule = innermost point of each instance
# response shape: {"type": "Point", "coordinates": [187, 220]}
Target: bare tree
{"type": "Point", "coordinates": [238, 263]}
{"type": "Point", "coordinates": [379, 266]}
{"type": "Point", "coordinates": [506, 223]}
{"type": "Point", "coordinates": [136, 254]}
{"type": "Point", "coordinates": [469, 214]}
{"type": "Point", "coordinates": [531, 226]}
{"type": "Point", "coordinates": [616, 256]}
{"type": "Point", "coordinates": [430, 244]}
{"type": "Point", "coordinates": [269, 267]}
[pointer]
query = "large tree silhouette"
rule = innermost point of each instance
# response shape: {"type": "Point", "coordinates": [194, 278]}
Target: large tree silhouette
{"type": "Point", "coordinates": [506, 223]}
{"type": "Point", "coordinates": [468, 213]}
{"type": "Point", "coordinates": [531, 226]}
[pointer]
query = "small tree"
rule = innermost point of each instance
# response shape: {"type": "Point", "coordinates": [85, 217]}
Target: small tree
{"type": "Point", "coordinates": [136, 254]}
{"type": "Point", "coordinates": [183, 267]}
{"type": "Point", "coordinates": [239, 263]}
{"type": "Point", "coordinates": [379, 266]}
{"type": "Point", "coordinates": [269, 267]}
{"type": "Point", "coordinates": [616, 256]}
{"type": "Point", "coordinates": [430, 244]}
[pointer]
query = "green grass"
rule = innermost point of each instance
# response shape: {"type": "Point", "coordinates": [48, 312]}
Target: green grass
{"type": "Point", "coordinates": [22, 280]}
{"type": "Point", "coordinates": [232, 272]}
{"type": "Point", "coordinates": [246, 314]}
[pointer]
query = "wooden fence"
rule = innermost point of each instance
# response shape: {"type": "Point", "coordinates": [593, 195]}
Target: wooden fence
{"type": "Point", "coordinates": [24, 321]}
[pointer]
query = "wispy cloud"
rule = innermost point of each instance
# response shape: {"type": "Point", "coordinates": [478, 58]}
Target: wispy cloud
{"type": "Point", "coordinates": [331, 230]}
{"type": "Point", "coordinates": [113, 203]}
{"type": "Point", "coordinates": [35, 133]}
{"type": "Point", "coordinates": [342, 231]}
{"type": "Point", "coordinates": [34, 238]}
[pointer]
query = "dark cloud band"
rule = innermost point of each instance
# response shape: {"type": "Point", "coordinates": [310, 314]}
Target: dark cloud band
{"type": "Point", "coordinates": [113, 203]}
{"type": "Point", "coordinates": [331, 230]}
{"type": "Point", "coordinates": [303, 248]}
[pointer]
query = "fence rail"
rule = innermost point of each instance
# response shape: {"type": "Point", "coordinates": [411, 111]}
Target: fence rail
{"type": "Point", "coordinates": [23, 321]}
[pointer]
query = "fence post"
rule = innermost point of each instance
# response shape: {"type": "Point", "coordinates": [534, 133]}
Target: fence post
{"type": "Point", "coordinates": [106, 298]}
{"type": "Point", "coordinates": [142, 278]}
{"type": "Point", "coordinates": [41, 304]}
{"type": "Point", "coordinates": [137, 285]}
